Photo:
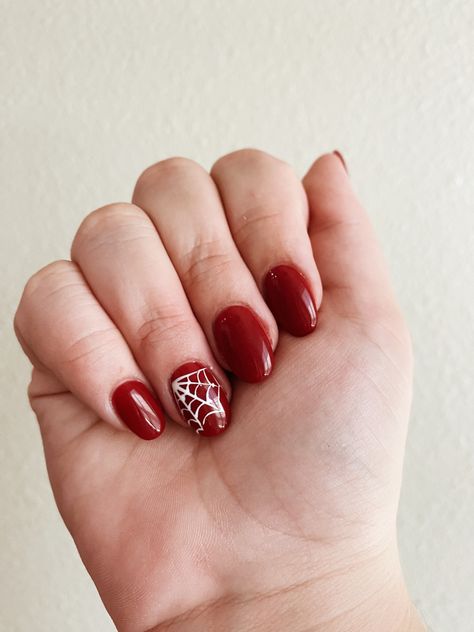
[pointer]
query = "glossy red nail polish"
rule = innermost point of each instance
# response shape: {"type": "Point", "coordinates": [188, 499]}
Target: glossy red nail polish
{"type": "Point", "coordinates": [200, 398]}
{"type": "Point", "coordinates": [243, 343]}
{"type": "Point", "coordinates": [287, 294]}
{"type": "Point", "coordinates": [137, 407]}
{"type": "Point", "coordinates": [341, 158]}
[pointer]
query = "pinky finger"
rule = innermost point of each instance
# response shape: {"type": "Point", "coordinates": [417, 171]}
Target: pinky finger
{"type": "Point", "coordinates": [65, 332]}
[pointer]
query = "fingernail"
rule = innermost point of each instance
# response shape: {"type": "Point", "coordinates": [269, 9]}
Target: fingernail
{"type": "Point", "coordinates": [337, 153]}
{"type": "Point", "coordinates": [243, 343]}
{"type": "Point", "coordinates": [200, 398]}
{"type": "Point", "coordinates": [137, 407]}
{"type": "Point", "coordinates": [287, 294]}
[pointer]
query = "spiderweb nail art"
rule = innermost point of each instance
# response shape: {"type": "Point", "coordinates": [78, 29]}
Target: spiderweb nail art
{"type": "Point", "coordinates": [198, 396]}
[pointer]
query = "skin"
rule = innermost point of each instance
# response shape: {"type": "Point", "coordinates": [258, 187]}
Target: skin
{"type": "Point", "coordinates": [287, 521]}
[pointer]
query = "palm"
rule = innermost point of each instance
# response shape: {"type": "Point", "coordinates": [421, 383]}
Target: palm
{"type": "Point", "coordinates": [306, 457]}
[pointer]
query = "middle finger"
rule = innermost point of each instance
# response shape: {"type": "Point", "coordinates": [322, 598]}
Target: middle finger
{"type": "Point", "coordinates": [183, 202]}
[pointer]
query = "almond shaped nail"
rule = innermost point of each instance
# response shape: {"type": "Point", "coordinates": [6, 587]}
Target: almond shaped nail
{"type": "Point", "coordinates": [243, 343]}
{"type": "Point", "coordinates": [200, 398]}
{"type": "Point", "coordinates": [288, 295]}
{"type": "Point", "coordinates": [139, 409]}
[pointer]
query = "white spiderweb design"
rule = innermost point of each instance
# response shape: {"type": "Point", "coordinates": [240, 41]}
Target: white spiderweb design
{"type": "Point", "coordinates": [198, 397]}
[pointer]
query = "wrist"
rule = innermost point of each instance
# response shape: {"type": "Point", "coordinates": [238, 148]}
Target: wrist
{"type": "Point", "coordinates": [364, 597]}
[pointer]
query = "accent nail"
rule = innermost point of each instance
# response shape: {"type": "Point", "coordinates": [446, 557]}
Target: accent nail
{"type": "Point", "coordinates": [138, 408]}
{"type": "Point", "coordinates": [200, 398]}
{"type": "Point", "coordinates": [243, 343]}
{"type": "Point", "coordinates": [287, 294]}
{"type": "Point", "coordinates": [337, 153]}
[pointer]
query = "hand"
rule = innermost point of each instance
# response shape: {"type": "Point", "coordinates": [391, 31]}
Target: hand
{"type": "Point", "coordinates": [287, 519]}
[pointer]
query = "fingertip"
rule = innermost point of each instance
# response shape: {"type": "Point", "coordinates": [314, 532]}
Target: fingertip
{"type": "Point", "coordinates": [334, 162]}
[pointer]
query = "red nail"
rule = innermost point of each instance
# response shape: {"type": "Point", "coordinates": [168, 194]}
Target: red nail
{"type": "Point", "coordinates": [139, 409]}
{"type": "Point", "coordinates": [288, 295]}
{"type": "Point", "coordinates": [341, 158]}
{"type": "Point", "coordinates": [200, 398]}
{"type": "Point", "coordinates": [243, 343]}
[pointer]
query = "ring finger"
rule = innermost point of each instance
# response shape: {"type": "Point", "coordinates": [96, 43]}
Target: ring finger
{"type": "Point", "coordinates": [267, 211]}
{"type": "Point", "coordinates": [124, 262]}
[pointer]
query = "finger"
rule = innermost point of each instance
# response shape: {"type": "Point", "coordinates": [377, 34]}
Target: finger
{"type": "Point", "coordinates": [65, 331]}
{"type": "Point", "coordinates": [183, 202]}
{"type": "Point", "coordinates": [345, 247]}
{"type": "Point", "coordinates": [61, 415]}
{"type": "Point", "coordinates": [125, 263]}
{"type": "Point", "coordinates": [267, 211]}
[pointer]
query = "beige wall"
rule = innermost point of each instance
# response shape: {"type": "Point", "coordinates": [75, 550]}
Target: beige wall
{"type": "Point", "coordinates": [93, 91]}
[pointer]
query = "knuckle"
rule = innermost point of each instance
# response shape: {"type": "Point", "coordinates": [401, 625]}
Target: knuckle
{"type": "Point", "coordinates": [106, 220]}
{"type": "Point", "coordinates": [91, 348]}
{"type": "Point", "coordinates": [39, 286]}
{"type": "Point", "coordinates": [19, 322]}
{"type": "Point", "coordinates": [162, 325]}
{"type": "Point", "coordinates": [258, 218]}
{"type": "Point", "coordinates": [107, 216]}
{"type": "Point", "coordinates": [249, 157]}
{"type": "Point", "coordinates": [206, 259]}
{"type": "Point", "coordinates": [174, 167]}
{"type": "Point", "coordinates": [48, 278]}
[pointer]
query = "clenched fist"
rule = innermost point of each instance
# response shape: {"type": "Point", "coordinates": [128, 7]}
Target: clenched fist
{"type": "Point", "coordinates": [252, 314]}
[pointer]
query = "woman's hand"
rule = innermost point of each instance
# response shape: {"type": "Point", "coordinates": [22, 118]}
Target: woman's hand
{"type": "Point", "coordinates": [287, 520]}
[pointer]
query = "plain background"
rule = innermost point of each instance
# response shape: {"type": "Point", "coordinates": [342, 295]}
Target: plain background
{"type": "Point", "coordinates": [94, 91]}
